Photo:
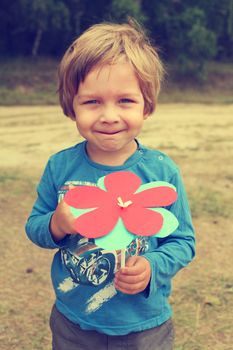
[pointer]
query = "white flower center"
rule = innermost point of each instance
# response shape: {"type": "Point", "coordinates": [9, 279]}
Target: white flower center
{"type": "Point", "coordinates": [122, 204]}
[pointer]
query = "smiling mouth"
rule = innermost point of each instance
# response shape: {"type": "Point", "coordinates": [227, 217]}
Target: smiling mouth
{"type": "Point", "coordinates": [109, 132]}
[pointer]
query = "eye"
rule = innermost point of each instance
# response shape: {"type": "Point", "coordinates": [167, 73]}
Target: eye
{"type": "Point", "coordinates": [126, 100]}
{"type": "Point", "coordinates": [90, 102]}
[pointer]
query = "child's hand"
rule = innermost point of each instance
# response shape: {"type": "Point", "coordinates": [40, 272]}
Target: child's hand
{"type": "Point", "coordinates": [134, 277]}
{"type": "Point", "coordinates": [62, 222]}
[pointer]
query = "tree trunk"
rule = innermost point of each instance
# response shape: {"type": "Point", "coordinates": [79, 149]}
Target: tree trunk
{"type": "Point", "coordinates": [37, 41]}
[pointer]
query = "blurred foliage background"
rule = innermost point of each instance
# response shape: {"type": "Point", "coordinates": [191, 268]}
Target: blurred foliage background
{"type": "Point", "coordinates": [189, 33]}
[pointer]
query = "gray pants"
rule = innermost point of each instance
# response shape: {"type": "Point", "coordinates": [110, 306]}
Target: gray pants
{"type": "Point", "coordinates": [69, 336]}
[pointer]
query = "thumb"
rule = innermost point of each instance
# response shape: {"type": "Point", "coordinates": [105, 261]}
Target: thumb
{"type": "Point", "coordinates": [131, 261]}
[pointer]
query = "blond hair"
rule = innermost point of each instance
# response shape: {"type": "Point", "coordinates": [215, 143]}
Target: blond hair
{"type": "Point", "coordinates": [105, 43]}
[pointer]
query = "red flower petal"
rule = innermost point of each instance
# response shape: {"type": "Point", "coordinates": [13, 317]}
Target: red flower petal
{"type": "Point", "coordinates": [122, 184]}
{"type": "Point", "coordinates": [84, 197]}
{"type": "Point", "coordinates": [155, 197]}
{"type": "Point", "coordinates": [141, 221]}
{"type": "Point", "coordinates": [98, 222]}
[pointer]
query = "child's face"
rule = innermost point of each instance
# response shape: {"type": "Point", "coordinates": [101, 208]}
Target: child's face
{"type": "Point", "coordinates": [109, 111]}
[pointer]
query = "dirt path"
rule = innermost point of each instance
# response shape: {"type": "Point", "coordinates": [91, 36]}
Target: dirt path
{"type": "Point", "coordinates": [28, 135]}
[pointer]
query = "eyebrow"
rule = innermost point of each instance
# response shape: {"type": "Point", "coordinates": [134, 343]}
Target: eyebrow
{"type": "Point", "coordinates": [94, 95]}
{"type": "Point", "coordinates": [85, 96]}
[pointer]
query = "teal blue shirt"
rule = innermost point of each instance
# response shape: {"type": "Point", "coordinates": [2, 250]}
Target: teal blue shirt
{"type": "Point", "coordinates": [82, 273]}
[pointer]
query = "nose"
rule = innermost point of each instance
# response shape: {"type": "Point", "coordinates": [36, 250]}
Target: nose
{"type": "Point", "coordinates": [110, 114]}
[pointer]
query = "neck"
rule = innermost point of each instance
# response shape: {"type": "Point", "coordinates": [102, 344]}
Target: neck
{"type": "Point", "coordinates": [111, 158]}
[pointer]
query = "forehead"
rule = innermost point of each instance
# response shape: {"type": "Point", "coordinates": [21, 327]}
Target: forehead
{"type": "Point", "coordinates": [120, 75]}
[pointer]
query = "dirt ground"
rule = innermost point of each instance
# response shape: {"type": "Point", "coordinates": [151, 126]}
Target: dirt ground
{"type": "Point", "coordinates": [199, 138]}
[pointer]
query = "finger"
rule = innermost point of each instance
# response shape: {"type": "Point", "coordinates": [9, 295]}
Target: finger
{"type": "Point", "coordinates": [129, 288]}
{"type": "Point", "coordinates": [133, 266]}
{"type": "Point", "coordinates": [130, 279]}
{"type": "Point", "coordinates": [132, 261]}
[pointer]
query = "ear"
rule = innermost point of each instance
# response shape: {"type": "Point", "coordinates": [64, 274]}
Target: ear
{"type": "Point", "coordinates": [146, 115]}
{"type": "Point", "coordinates": [149, 113]}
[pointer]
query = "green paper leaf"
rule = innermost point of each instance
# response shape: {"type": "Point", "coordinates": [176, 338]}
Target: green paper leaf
{"type": "Point", "coordinates": [170, 222]}
{"type": "Point", "coordinates": [154, 184]}
{"type": "Point", "coordinates": [100, 183]}
{"type": "Point", "coordinates": [78, 212]}
{"type": "Point", "coordinates": [118, 238]}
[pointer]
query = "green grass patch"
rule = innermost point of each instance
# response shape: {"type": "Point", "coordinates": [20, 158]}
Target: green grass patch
{"type": "Point", "coordinates": [216, 88]}
{"type": "Point", "coordinates": [28, 81]}
{"type": "Point", "coordinates": [194, 306]}
{"type": "Point", "coordinates": [22, 96]}
{"type": "Point", "coordinates": [191, 95]}
{"type": "Point", "coordinates": [206, 201]}
{"type": "Point", "coordinates": [6, 176]}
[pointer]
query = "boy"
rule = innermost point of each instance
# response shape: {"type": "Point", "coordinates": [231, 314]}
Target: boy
{"type": "Point", "coordinates": [109, 80]}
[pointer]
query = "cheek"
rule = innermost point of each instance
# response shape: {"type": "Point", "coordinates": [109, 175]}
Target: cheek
{"type": "Point", "coordinates": [135, 126]}
{"type": "Point", "coordinates": [137, 121]}
{"type": "Point", "coordinates": [82, 127]}
{"type": "Point", "coordinates": [83, 121]}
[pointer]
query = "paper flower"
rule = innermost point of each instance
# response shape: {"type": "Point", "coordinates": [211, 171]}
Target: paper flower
{"type": "Point", "coordinates": [121, 206]}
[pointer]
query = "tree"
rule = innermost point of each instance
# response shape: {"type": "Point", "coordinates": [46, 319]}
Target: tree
{"type": "Point", "coordinates": [197, 43]}
{"type": "Point", "coordinates": [120, 10]}
{"type": "Point", "coordinates": [7, 21]}
{"type": "Point", "coordinates": [44, 15]}
{"type": "Point", "coordinates": [182, 32]}
{"type": "Point", "coordinates": [186, 32]}
{"type": "Point", "coordinates": [219, 19]}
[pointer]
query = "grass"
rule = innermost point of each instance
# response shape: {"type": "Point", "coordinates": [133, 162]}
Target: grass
{"type": "Point", "coordinates": [206, 201]}
{"type": "Point", "coordinates": [28, 81]}
{"type": "Point", "coordinates": [202, 293]}
{"type": "Point", "coordinates": [216, 87]}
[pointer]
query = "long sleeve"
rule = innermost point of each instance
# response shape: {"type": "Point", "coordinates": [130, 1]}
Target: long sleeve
{"type": "Point", "coordinates": [82, 274]}
{"type": "Point", "coordinates": [178, 249]}
{"type": "Point", "coordinates": [37, 226]}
